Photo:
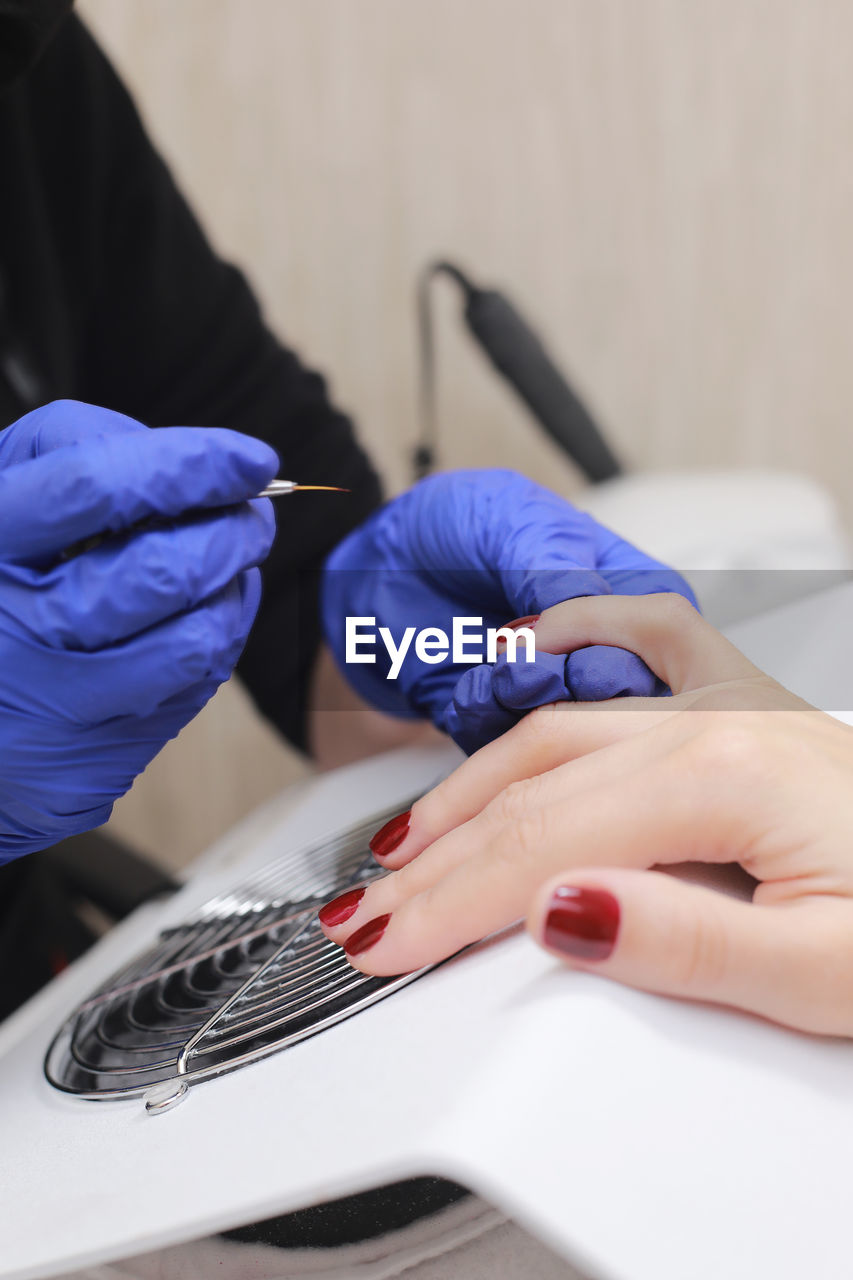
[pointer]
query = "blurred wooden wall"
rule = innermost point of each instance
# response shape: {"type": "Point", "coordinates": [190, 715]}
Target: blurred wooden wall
{"type": "Point", "coordinates": [668, 186]}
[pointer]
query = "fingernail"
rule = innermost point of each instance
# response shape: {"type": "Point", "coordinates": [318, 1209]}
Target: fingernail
{"type": "Point", "coordinates": [582, 922]}
{"type": "Point", "coordinates": [367, 936]}
{"type": "Point", "coordinates": [391, 836]}
{"type": "Point", "coordinates": [339, 910]}
{"type": "Point", "coordinates": [529, 621]}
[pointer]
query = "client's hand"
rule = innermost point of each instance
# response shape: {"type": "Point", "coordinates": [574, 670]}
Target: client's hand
{"type": "Point", "coordinates": [569, 809]}
{"type": "Point", "coordinates": [494, 545]}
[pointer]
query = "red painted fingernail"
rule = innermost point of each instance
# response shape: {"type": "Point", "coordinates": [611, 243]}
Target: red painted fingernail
{"type": "Point", "coordinates": [582, 922]}
{"type": "Point", "coordinates": [367, 936]}
{"type": "Point", "coordinates": [339, 910]}
{"type": "Point", "coordinates": [529, 621]}
{"type": "Point", "coordinates": [389, 837]}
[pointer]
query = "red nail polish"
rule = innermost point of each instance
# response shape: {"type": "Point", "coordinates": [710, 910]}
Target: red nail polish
{"type": "Point", "coordinates": [582, 922]}
{"type": "Point", "coordinates": [389, 837]}
{"type": "Point", "coordinates": [529, 621]}
{"type": "Point", "coordinates": [367, 936]}
{"type": "Point", "coordinates": [339, 910]}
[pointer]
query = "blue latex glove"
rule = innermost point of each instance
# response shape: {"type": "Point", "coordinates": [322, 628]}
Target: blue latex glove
{"type": "Point", "coordinates": [105, 657]}
{"type": "Point", "coordinates": [495, 545]}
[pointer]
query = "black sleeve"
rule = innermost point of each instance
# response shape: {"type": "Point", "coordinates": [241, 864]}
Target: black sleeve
{"type": "Point", "coordinates": [170, 334]}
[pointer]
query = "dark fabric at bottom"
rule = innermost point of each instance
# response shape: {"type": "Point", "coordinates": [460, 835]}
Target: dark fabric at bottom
{"type": "Point", "coordinates": [39, 931]}
{"type": "Point", "coordinates": [354, 1218]}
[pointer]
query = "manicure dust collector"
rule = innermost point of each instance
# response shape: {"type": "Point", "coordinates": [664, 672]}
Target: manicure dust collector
{"type": "Point", "coordinates": [645, 1139]}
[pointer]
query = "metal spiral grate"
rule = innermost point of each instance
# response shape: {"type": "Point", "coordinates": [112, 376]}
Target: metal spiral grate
{"type": "Point", "coordinates": [250, 973]}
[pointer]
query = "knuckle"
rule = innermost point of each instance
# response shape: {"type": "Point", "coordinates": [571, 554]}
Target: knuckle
{"type": "Point", "coordinates": [541, 726]}
{"type": "Point", "coordinates": [516, 801]}
{"type": "Point", "coordinates": [408, 881]}
{"type": "Point", "coordinates": [440, 810]}
{"type": "Point", "coordinates": [728, 747]}
{"type": "Point", "coordinates": [522, 842]}
{"type": "Point", "coordinates": [673, 608]}
{"type": "Point", "coordinates": [702, 962]}
{"type": "Point", "coordinates": [669, 614]}
{"type": "Point", "coordinates": [530, 837]}
{"type": "Point", "coordinates": [681, 606]}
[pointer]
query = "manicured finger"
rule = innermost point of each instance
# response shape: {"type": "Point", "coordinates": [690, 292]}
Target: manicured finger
{"type": "Point", "coordinates": [489, 699]}
{"type": "Point", "coordinates": [791, 963]}
{"type": "Point", "coordinates": [548, 737]}
{"type": "Point", "coordinates": [670, 636]}
{"type": "Point", "coordinates": [612, 643]}
{"type": "Point", "coordinates": [118, 589]}
{"type": "Point", "coordinates": [484, 831]}
{"type": "Point", "coordinates": [111, 482]}
{"type": "Point", "coordinates": [659, 812]}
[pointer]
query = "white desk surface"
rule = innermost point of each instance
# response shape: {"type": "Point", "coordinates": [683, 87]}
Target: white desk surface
{"type": "Point", "coordinates": [645, 1138]}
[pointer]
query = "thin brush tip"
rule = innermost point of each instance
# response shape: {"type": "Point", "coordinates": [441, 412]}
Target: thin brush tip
{"type": "Point", "coordinates": [278, 488]}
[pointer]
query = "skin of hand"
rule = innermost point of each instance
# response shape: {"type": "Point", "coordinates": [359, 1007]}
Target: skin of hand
{"type": "Point", "coordinates": [445, 548]}
{"type": "Point", "coordinates": [563, 817]}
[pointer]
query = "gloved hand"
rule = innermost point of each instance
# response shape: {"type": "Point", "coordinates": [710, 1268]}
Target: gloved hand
{"type": "Point", "coordinates": [488, 544]}
{"type": "Point", "coordinates": [106, 656]}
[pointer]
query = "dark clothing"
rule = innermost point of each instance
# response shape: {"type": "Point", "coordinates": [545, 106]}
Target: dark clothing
{"type": "Point", "coordinates": [110, 293]}
{"type": "Point", "coordinates": [26, 29]}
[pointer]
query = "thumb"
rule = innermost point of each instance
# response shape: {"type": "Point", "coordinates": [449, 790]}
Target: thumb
{"type": "Point", "coordinates": [791, 963]}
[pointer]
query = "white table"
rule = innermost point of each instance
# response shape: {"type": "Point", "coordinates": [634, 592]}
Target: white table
{"type": "Point", "coordinates": [645, 1138]}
